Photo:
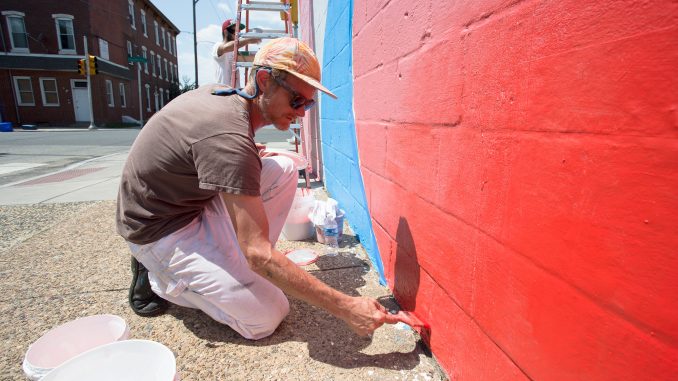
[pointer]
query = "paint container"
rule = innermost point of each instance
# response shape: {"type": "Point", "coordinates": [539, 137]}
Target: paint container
{"type": "Point", "coordinates": [123, 360]}
{"type": "Point", "coordinates": [319, 230]}
{"type": "Point", "coordinates": [298, 226]}
{"type": "Point", "coordinates": [302, 257]}
{"type": "Point", "coordinates": [69, 340]}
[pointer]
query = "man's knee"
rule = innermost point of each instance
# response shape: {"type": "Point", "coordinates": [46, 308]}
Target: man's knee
{"type": "Point", "coordinates": [282, 164]}
{"type": "Point", "coordinates": [289, 167]}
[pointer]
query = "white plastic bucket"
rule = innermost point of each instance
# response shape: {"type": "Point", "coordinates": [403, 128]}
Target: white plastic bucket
{"type": "Point", "coordinates": [68, 340]}
{"type": "Point", "coordinates": [298, 226]}
{"type": "Point", "coordinates": [120, 361]}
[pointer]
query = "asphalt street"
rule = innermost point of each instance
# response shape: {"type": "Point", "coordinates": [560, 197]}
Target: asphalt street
{"type": "Point", "coordinates": [29, 154]}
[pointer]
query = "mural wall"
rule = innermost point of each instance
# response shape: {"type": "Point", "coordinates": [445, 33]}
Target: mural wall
{"type": "Point", "coordinates": [519, 163]}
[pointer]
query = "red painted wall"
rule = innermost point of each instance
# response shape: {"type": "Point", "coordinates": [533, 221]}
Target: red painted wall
{"type": "Point", "coordinates": [521, 167]}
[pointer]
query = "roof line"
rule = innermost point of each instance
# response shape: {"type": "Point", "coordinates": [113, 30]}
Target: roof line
{"type": "Point", "coordinates": [153, 7]}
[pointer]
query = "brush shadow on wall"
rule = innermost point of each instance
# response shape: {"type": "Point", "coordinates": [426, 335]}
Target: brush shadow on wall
{"type": "Point", "coordinates": [406, 268]}
{"type": "Point", "coordinates": [407, 275]}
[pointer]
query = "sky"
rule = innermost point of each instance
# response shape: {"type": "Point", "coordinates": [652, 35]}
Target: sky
{"type": "Point", "coordinates": [209, 15]}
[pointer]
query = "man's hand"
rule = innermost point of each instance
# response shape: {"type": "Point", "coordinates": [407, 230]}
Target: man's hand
{"type": "Point", "coordinates": [365, 315]}
{"type": "Point", "coordinates": [262, 150]}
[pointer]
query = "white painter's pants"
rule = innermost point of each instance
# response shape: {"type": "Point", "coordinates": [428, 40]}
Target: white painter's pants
{"type": "Point", "coordinates": [201, 265]}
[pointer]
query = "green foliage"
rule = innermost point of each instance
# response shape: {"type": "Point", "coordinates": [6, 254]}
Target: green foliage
{"type": "Point", "coordinates": [186, 85]}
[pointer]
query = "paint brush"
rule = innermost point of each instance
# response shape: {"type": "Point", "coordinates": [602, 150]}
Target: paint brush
{"type": "Point", "coordinates": [411, 320]}
{"type": "Point", "coordinates": [417, 324]}
{"type": "Point", "coordinates": [407, 318]}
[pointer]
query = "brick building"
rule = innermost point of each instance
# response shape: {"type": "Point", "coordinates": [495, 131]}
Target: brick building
{"type": "Point", "coordinates": [42, 41]}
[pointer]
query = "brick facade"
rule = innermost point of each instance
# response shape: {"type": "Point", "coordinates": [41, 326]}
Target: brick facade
{"type": "Point", "coordinates": [110, 36]}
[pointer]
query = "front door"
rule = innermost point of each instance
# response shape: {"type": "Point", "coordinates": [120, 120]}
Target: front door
{"type": "Point", "coordinates": [80, 100]}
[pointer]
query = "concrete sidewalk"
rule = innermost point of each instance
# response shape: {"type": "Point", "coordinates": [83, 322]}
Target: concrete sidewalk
{"type": "Point", "coordinates": [62, 259]}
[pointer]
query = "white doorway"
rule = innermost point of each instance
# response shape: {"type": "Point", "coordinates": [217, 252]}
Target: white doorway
{"type": "Point", "coordinates": [80, 100]}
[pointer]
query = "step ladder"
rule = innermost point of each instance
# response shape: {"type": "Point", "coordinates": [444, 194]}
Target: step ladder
{"type": "Point", "coordinates": [244, 58]}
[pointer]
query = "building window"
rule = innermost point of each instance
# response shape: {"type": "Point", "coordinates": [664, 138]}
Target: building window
{"type": "Point", "coordinates": [166, 72]}
{"type": "Point", "coordinates": [152, 63]}
{"type": "Point", "coordinates": [169, 43]}
{"type": "Point", "coordinates": [49, 91]}
{"type": "Point", "coordinates": [65, 32]}
{"type": "Point", "coordinates": [167, 95]}
{"type": "Point", "coordinates": [103, 49]}
{"type": "Point", "coordinates": [162, 34]}
{"type": "Point", "coordinates": [159, 61]}
{"type": "Point", "coordinates": [143, 23]}
{"type": "Point", "coordinates": [123, 97]}
{"type": "Point", "coordinates": [109, 93]}
{"type": "Point", "coordinates": [174, 42]}
{"type": "Point", "coordinates": [17, 31]}
{"type": "Point", "coordinates": [155, 95]}
{"type": "Point", "coordinates": [129, 49]}
{"type": "Point", "coordinates": [157, 35]}
{"type": "Point", "coordinates": [148, 97]}
{"type": "Point", "coordinates": [143, 54]}
{"type": "Point", "coordinates": [24, 91]}
{"type": "Point", "coordinates": [171, 72]}
{"type": "Point", "coordinates": [130, 10]}
{"type": "Point", "coordinates": [162, 100]}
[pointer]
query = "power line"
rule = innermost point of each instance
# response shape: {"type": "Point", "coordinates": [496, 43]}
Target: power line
{"type": "Point", "coordinates": [216, 13]}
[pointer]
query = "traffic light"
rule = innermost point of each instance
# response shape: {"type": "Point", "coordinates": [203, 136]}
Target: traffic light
{"type": "Point", "coordinates": [93, 65]}
{"type": "Point", "coordinates": [81, 67]}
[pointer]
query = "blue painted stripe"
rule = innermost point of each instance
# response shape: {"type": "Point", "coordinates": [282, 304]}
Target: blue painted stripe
{"type": "Point", "coordinates": [341, 163]}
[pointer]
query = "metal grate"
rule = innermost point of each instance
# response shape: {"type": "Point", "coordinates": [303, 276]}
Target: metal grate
{"type": "Point", "coordinates": [61, 176]}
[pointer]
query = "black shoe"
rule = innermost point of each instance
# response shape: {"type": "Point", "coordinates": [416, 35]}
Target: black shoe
{"type": "Point", "coordinates": [142, 299]}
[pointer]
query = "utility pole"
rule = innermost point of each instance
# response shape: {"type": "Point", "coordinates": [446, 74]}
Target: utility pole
{"type": "Point", "coordinates": [141, 109]}
{"type": "Point", "coordinates": [89, 87]}
{"type": "Point", "coordinates": [195, 44]}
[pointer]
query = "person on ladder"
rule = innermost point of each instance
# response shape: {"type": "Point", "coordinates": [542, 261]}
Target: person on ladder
{"type": "Point", "coordinates": [223, 52]}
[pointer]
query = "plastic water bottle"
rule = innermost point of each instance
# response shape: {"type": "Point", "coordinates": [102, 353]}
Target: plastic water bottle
{"type": "Point", "coordinates": [331, 235]}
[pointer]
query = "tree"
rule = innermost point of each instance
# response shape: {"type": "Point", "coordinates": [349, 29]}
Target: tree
{"type": "Point", "coordinates": [186, 84]}
{"type": "Point", "coordinates": [174, 90]}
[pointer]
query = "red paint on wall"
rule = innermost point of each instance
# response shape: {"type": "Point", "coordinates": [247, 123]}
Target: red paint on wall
{"type": "Point", "coordinates": [520, 161]}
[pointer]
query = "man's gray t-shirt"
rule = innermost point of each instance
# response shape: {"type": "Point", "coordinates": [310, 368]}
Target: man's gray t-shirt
{"type": "Point", "coordinates": [198, 145]}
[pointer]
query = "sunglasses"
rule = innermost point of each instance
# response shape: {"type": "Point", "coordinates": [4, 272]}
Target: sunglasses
{"type": "Point", "coordinates": [297, 100]}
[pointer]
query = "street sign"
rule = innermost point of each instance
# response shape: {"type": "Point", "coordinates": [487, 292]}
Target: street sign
{"type": "Point", "coordinates": [136, 59]}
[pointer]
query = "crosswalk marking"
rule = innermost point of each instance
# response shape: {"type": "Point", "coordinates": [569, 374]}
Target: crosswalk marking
{"type": "Point", "coordinates": [14, 167]}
